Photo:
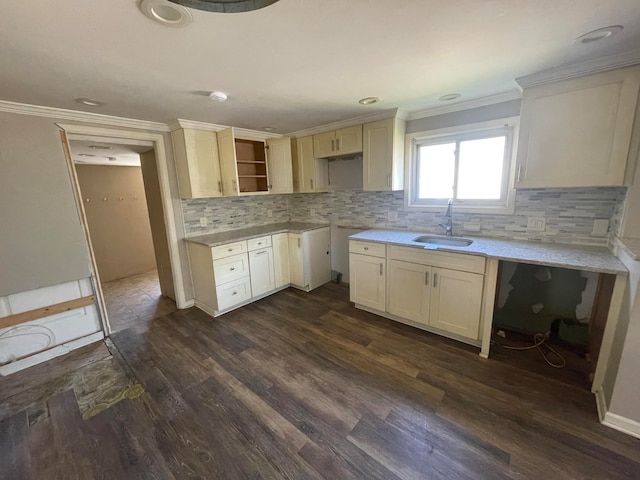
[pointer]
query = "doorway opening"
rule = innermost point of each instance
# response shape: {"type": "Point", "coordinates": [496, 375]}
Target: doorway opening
{"type": "Point", "coordinates": [120, 195]}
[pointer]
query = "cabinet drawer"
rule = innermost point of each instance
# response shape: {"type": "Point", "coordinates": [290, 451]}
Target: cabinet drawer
{"type": "Point", "coordinates": [454, 261]}
{"type": "Point", "coordinates": [233, 293]}
{"type": "Point", "coordinates": [261, 242]}
{"type": "Point", "coordinates": [229, 249]}
{"type": "Point", "coordinates": [231, 268]}
{"type": "Point", "coordinates": [368, 248]}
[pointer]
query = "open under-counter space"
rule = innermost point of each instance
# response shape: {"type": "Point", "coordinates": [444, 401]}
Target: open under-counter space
{"type": "Point", "coordinates": [454, 290]}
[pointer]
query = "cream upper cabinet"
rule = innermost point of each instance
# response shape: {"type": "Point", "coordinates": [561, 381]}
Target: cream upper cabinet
{"type": "Point", "coordinates": [310, 174]}
{"type": "Point", "coordinates": [227, 149]}
{"type": "Point", "coordinates": [252, 167]}
{"type": "Point", "coordinates": [197, 163]}
{"type": "Point", "coordinates": [343, 141]}
{"type": "Point", "coordinates": [383, 155]}
{"type": "Point", "coordinates": [367, 274]}
{"type": "Point", "coordinates": [279, 165]}
{"type": "Point", "coordinates": [577, 132]}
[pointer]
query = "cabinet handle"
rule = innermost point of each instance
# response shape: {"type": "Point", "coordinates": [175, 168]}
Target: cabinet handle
{"type": "Point", "coordinates": [388, 179]}
{"type": "Point", "coordinates": [380, 269]}
{"type": "Point", "coordinates": [234, 293]}
{"type": "Point", "coordinates": [220, 187]}
{"type": "Point", "coordinates": [234, 184]}
{"type": "Point", "coordinates": [333, 143]}
{"type": "Point", "coordinates": [366, 248]}
{"type": "Point", "coordinates": [435, 280]}
{"type": "Point", "coordinates": [311, 183]}
{"type": "Point", "coordinates": [269, 186]}
{"type": "Point", "coordinates": [260, 253]}
{"type": "Point", "coordinates": [230, 250]}
{"type": "Point", "coordinates": [337, 144]}
{"type": "Point", "coordinates": [426, 278]}
{"type": "Point", "coordinates": [298, 243]}
{"type": "Point", "coordinates": [519, 172]}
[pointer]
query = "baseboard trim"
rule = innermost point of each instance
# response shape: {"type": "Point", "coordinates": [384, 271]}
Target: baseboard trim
{"type": "Point", "coordinates": [622, 424]}
{"type": "Point", "coordinates": [46, 355]}
{"type": "Point", "coordinates": [601, 403]}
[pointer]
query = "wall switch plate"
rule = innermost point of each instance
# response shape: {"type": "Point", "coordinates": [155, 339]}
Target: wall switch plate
{"type": "Point", "coordinates": [312, 212]}
{"type": "Point", "coordinates": [537, 224]}
{"type": "Point", "coordinates": [471, 227]}
{"type": "Point", "coordinates": [269, 213]}
{"type": "Point", "coordinates": [393, 216]}
{"type": "Point", "coordinates": [600, 227]}
{"type": "Point", "coordinates": [203, 221]}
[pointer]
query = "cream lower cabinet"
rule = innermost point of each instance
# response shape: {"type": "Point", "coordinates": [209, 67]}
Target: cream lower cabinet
{"type": "Point", "coordinates": [281, 263]}
{"type": "Point", "coordinates": [262, 271]}
{"type": "Point", "coordinates": [367, 274]}
{"type": "Point", "coordinates": [409, 291]}
{"type": "Point", "coordinates": [296, 260]}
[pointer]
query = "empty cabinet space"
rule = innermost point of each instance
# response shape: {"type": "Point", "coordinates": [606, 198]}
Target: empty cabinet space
{"type": "Point", "coordinates": [252, 166]}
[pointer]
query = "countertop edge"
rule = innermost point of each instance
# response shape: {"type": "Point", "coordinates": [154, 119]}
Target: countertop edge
{"type": "Point", "coordinates": [278, 228]}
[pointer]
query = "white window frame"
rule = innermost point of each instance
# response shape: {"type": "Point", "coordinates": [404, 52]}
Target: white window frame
{"type": "Point", "coordinates": [505, 205]}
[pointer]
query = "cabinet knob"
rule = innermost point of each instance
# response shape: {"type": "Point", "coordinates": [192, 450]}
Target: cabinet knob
{"type": "Point", "coordinates": [230, 250]}
{"type": "Point", "coordinates": [366, 248]}
{"type": "Point", "coordinates": [380, 269]}
{"type": "Point", "coordinates": [234, 293]}
{"type": "Point", "coordinates": [435, 280]}
{"type": "Point", "coordinates": [333, 143]}
{"type": "Point", "coordinates": [232, 269]}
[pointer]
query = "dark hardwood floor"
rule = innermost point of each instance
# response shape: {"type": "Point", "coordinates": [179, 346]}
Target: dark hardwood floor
{"type": "Point", "coordinates": [304, 386]}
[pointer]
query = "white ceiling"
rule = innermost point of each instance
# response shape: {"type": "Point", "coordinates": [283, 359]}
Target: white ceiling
{"type": "Point", "coordinates": [104, 153]}
{"type": "Point", "coordinates": [295, 64]}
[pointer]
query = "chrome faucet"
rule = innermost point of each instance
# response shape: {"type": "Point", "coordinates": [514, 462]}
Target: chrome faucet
{"type": "Point", "coordinates": [448, 228]}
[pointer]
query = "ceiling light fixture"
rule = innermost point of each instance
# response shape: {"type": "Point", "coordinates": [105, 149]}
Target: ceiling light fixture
{"type": "Point", "coordinates": [225, 6]}
{"type": "Point", "coordinates": [100, 147]}
{"type": "Point", "coordinates": [85, 155]}
{"type": "Point", "coordinates": [217, 96]}
{"type": "Point", "coordinates": [450, 96]}
{"type": "Point", "coordinates": [268, 129]}
{"type": "Point", "coordinates": [89, 102]}
{"type": "Point", "coordinates": [166, 13]}
{"type": "Point", "coordinates": [599, 34]}
{"type": "Point", "coordinates": [368, 100]}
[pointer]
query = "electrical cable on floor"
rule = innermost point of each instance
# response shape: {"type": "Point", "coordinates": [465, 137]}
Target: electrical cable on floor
{"type": "Point", "coordinates": [8, 334]}
{"type": "Point", "coordinates": [540, 340]}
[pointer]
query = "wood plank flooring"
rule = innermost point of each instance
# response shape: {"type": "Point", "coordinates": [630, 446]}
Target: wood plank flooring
{"type": "Point", "coordinates": [304, 386]}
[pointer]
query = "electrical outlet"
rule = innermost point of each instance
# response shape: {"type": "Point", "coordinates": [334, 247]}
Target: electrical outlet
{"type": "Point", "coordinates": [203, 221]}
{"type": "Point", "coordinates": [600, 227]}
{"type": "Point", "coordinates": [269, 213]}
{"type": "Point", "coordinates": [471, 227]}
{"type": "Point", "coordinates": [312, 212]}
{"type": "Point", "coordinates": [393, 216]}
{"type": "Point", "coordinates": [537, 224]}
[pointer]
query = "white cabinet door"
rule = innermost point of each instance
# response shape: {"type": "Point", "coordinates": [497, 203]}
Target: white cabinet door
{"type": "Point", "coordinates": [349, 140]}
{"type": "Point", "coordinates": [383, 155]}
{"type": "Point", "coordinates": [197, 163]}
{"type": "Point", "coordinates": [410, 291]}
{"type": "Point", "coordinates": [281, 269]}
{"type": "Point", "coordinates": [261, 268]}
{"type": "Point", "coordinates": [279, 165]}
{"type": "Point", "coordinates": [456, 301]}
{"type": "Point", "coordinates": [296, 260]}
{"type": "Point", "coordinates": [227, 150]}
{"type": "Point", "coordinates": [310, 174]}
{"type": "Point", "coordinates": [367, 281]}
{"type": "Point", "coordinates": [577, 132]}
{"type": "Point", "coordinates": [324, 144]}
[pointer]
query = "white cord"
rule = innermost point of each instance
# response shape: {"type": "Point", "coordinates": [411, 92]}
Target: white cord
{"type": "Point", "coordinates": [7, 334]}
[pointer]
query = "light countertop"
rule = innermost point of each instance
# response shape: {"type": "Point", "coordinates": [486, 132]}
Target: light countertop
{"type": "Point", "coordinates": [220, 238]}
{"type": "Point", "coordinates": [593, 259]}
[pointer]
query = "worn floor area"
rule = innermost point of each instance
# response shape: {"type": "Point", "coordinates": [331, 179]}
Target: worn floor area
{"type": "Point", "coordinates": [134, 301]}
{"type": "Point", "coordinates": [304, 386]}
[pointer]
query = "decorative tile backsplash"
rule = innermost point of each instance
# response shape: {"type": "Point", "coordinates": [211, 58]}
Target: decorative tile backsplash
{"type": "Point", "coordinates": [230, 213]}
{"type": "Point", "coordinates": [569, 213]}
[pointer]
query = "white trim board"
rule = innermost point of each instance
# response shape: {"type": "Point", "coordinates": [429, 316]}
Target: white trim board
{"type": "Point", "coordinates": [80, 116]}
{"type": "Point", "coordinates": [350, 122]}
{"type": "Point", "coordinates": [622, 424]}
{"type": "Point", "coordinates": [466, 105]}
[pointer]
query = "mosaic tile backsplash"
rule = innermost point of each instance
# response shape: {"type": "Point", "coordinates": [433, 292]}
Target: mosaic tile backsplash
{"type": "Point", "coordinates": [569, 213]}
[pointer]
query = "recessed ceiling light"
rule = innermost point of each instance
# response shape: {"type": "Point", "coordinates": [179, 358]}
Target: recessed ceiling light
{"type": "Point", "coordinates": [166, 13]}
{"type": "Point", "coordinates": [268, 129]}
{"type": "Point", "coordinates": [100, 147]}
{"type": "Point", "coordinates": [217, 96]}
{"type": "Point", "coordinates": [599, 34]}
{"type": "Point", "coordinates": [450, 96]}
{"type": "Point", "coordinates": [368, 100]}
{"type": "Point", "coordinates": [112, 159]}
{"type": "Point", "coordinates": [225, 6]}
{"type": "Point", "coordinates": [89, 102]}
{"type": "Point", "coordinates": [85, 155]}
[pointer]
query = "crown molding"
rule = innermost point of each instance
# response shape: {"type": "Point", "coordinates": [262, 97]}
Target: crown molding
{"type": "Point", "coordinates": [79, 116]}
{"type": "Point", "coordinates": [466, 105]}
{"type": "Point", "coordinates": [565, 72]}
{"type": "Point", "coordinates": [350, 122]}
{"type": "Point", "coordinates": [213, 127]}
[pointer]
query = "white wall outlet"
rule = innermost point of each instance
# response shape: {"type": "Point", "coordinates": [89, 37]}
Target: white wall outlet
{"type": "Point", "coordinates": [471, 226]}
{"type": "Point", "coordinates": [312, 212]}
{"type": "Point", "coordinates": [600, 227]}
{"type": "Point", "coordinates": [203, 221]}
{"type": "Point", "coordinates": [537, 224]}
{"type": "Point", "coordinates": [393, 216]}
{"type": "Point", "coordinates": [269, 213]}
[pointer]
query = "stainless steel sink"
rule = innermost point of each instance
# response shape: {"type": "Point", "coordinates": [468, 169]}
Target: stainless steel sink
{"type": "Point", "coordinates": [445, 241]}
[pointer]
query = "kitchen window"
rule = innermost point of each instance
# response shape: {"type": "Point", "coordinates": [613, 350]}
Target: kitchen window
{"type": "Point", "coordinates": [471, 164]}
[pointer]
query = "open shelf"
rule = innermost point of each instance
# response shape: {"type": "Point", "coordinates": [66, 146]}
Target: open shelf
{"type": "Point", "coordinates": [251, 163]}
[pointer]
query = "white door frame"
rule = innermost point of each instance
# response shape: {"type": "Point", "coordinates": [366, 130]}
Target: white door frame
{"type": "Point", "coordinates": [157, 140]}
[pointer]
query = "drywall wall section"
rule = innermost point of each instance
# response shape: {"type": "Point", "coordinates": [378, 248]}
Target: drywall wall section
{"type": "Point", "coordinates": [42, 242]}
{"type": "Point", "coordinates": [116, 208]}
